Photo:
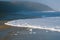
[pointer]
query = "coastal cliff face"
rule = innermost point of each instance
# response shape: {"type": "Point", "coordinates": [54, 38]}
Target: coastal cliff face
{"type": "Point", "coordinates": [6, 6]}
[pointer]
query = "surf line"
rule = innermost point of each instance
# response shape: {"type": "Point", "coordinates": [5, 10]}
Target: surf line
{"type": "Point", "coordinates": [33, 27]}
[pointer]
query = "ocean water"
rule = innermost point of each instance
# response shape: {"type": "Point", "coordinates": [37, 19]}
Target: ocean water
{"type": "Point", "coordinates": [32, 26]}
{"type": "Point", "coordinates": [28, 15]}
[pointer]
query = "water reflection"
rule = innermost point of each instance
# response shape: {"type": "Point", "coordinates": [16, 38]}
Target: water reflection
{"type": "Point", "coordinates": [24, 34]}
{"type": "Point", "coordinates": [21, 34]}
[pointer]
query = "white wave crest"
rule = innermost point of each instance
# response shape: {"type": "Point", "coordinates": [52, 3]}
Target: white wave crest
{"type": "Point", "coordinates": [49, 11]}
{"type": "Point", "coordinates": [50, 23]}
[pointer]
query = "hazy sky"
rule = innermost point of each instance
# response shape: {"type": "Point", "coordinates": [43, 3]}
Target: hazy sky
{"type": "Point", "coordinates": [55, 4]}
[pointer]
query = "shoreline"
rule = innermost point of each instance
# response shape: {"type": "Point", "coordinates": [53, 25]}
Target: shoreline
{"type": "Point", "coordinates": [2, 25]}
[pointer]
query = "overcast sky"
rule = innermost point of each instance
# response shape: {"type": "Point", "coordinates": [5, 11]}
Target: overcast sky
{"type": "Point", "coordinates": [55, 4]}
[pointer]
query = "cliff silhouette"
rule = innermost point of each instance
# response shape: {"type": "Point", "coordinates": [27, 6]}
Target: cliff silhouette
{"type": "Point", "coordinates": [6, 6]}
{"type": "Point", "coordinates": [8, 9]}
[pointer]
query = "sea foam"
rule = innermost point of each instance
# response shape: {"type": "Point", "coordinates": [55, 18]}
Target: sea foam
{"type": "Point", "coordinates": [48, 23]}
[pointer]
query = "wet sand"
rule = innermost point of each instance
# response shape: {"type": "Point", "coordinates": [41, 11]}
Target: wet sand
{"type": "Point", "coordinates": [5, 30]}
{"type": "Point", "coordinates": [3, 26]}
{"type": "Point", "coordinates": [5, 33]}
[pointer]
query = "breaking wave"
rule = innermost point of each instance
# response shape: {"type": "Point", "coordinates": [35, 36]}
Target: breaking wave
{"type": "Point", "coordinates": [49, 11]}
{"type": "Point", "coordinates": [48, 23]}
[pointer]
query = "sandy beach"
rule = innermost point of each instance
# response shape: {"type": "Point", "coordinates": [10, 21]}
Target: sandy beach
{"type": "Point", "coordinates": [3, 26]}
{"type": "Point", "coordinates": [5, 30]}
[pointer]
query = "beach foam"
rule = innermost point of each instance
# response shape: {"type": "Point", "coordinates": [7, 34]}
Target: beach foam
{"type": "Point", "coordinates": [48, 23]}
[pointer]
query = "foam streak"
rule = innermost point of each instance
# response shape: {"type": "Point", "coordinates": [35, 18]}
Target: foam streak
{"type": "Point", "coordinates": [50, 23]}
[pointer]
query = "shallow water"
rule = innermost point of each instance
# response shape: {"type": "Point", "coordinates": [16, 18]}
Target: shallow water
{"type": "Point", "coordinates": [23, 34]}
{"type": "Point", "coordinates": [15, 33]}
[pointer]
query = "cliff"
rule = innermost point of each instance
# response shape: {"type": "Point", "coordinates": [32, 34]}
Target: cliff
{"type": "Point", "coordinates": [6, 6]}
